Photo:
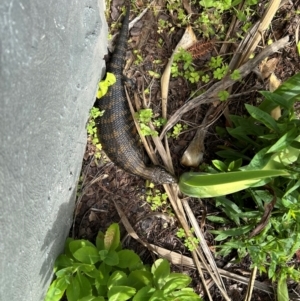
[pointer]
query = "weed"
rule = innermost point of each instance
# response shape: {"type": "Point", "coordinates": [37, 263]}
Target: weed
{"type": "Point", "coordinates": [105, 271]}
{"type": "Point", "coordinates": [190, 242]}
{"type": "Point", "coordinates": [144, 117]}
{"type": "Point", "coordinates": [177, 130]}
{"type": "Point", "coordinates": [262, 160]}
{"type": "Point", "coordinates": [92, 130]}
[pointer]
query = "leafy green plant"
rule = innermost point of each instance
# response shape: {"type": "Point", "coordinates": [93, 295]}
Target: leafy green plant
{"type": "Point", "coordinates": [177, 130]}
{"type": "Point", "coordinates": [105, 271]}
{"type": "Point", "coordinates": [262, 160]}
{"type": "Point", "coordinates": [155, 197]}
{"type": "Point", "coordinates": [92, 130]}
{"type": "Point", "coordinates": [144, 117]}
{"type": "Point", "coordinates": [182, 66]}
{"type": "Point", "coordinates": [189, 242]}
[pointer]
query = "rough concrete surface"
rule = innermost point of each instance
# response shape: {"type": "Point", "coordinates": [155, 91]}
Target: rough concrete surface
{"type": "Point", "coordinates": [50, 62]}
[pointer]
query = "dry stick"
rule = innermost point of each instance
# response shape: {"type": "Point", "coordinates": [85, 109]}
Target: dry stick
{"type": "Point", "coordinates": [179, 259]}
{"type": "Point", "coordinates": [213, 274]}
{"type": "Point", "coordinates": [203, 244]}
{"type": "Point", "coordinates": [251, 284]}
{"type": "Point", "coordinates": [212, 92]}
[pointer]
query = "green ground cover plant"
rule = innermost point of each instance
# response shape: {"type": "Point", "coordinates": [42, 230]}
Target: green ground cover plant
{"type": "Point", "coordinates": [260, 170]}
{"type": "Point", "coordinates": [105, 271]}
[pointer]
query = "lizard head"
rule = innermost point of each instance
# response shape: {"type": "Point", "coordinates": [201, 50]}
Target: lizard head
{"type": "Point", "coordinates": [161, 176]}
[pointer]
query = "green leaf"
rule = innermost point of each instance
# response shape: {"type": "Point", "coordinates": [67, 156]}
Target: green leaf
{"type": "Point", "coordinates": [230, 208]}
{"type": "Point", "coordinates": [56, 289]}
{"type": "Point", "coordinates": [112, 237]}
{"type": "Point", "coordinates": [232, 232]}
{"type": "Point", "coordinates": [78, 244]}
{"type": "Point", "coordinates": [219, 165]}
{"type": "Point", "coordinates": [160, 270]}
{"type": "Point", "coordinates": [186, 294]}
{"type": "Point", "coordinates": [176, 281]}
{"type": "Point", "coordinates": [120, 293]}
{"type": "Point", "coordinates": [104, 271]}
{"type": "Point", "coordinates": [109, 257]}
{"type": "Point", "coordinates": [217, 219]}
{"type": "Point", "coordinates": [159, 295]}
{"type": "Point", "coordinates": [103, 85]}
{"type": "Point", "coordinates": [100, 241]}
{"type": "Point", "coordinates": [272, 101]}
{"type": "Point", "coordinates": [212, 185]}
{"type": "Point", "coordinates": [263, 117]}
{"type": "Point", "coordinates": [290, 89]}
{"type": "Point", "coordinates": [284, 141]}
{"type": "Point", "coordinates": [84, 284]}
{"type": "Point", "coordinates": [144, 293]}
{"type": "Point", "coordinates": [66, 272]}
{"type": "Point", "coordinates": [62, 261]}
{"type": "Point", "coordinates": [117, 278]}
{"type": "Point", "coordinates": [87, 255]}
{"type": "Point", "coordinates": [73, 290]}
{"type": "Point", "coordinates": [128, 259]}
{"type": "Point", "coordinates": [282, 289]}
{"type": "Point", "coordinates": [241, 134]}
{"type": "Point", "coordinates": [139, 279]}
{"type": "Point", "coordinates": [92, 298]}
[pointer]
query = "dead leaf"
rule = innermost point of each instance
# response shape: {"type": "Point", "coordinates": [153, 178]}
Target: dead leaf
{"type": "Point", "coordinates": [267, 67]}
{"type": "Point", "coordinates": [274, 82]}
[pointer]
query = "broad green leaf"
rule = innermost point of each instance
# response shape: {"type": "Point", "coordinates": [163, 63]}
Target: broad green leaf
{"type": "Point", "coordinates": [84, 284]}
{"type": "Point", "coordinates": [160, 270]}
{"type": "Point", "coordinates": [103, 85]}
{"type": "Point", "coordinates": [100, 241]}
{"type": "Point", "coordinates": [282, 289]}
{"type": "Point", "coordinates": [235, 165]}
{"type": "Point", "coordinates": [67, 247]}
{"type": "Point", "coordinates": [66, 272]}
{"type": "Point", "coordinates": [259, 160]}
{"type": "Point", "coordinates": [121, 293]}
{"type": "Point", "coordinates": [283, 159]}
{"type": "Point", "coordinates": [289, 89]}
{"type": "Point", "coordinates": [139, 279]}
{"type": "Point", "coordinates": [263, 117]}
{"type": "Point", "coordinates": [109, 257]}
{"type": "Point", "coordinates": [217, 219]}
{"type": "Point", "coordinates": [56, 290]}
{"type": "Point", "coordinates": [176, 281]}
{"type": "Point", "coordinates": [73, 290]}
{"type": "Point", "coordinates": [104, 271]}
{"type": "Point", "coordinates": [128, 259]}
{"type": "Point", "coordinates": [159, 295]}
{"type": "Point", "coordinates": [117, 278]}
{"type": "Point", "coordinates": [144, 293]}
{"type": "Point", "coordinates": [92, 298]}
{"type": "Point", "coordinates": [87, 255]}
{"type": "Point", "coordinates": [284, 141]}
{"type": "Point", "coordinates": [211, 185]}
{"type": "Point", "coordinates": [275, 100]}
{"type": "Point", "coordinates": [62, 261]}
{"type": "Point", "coordinates": [186, 294]}
{"type": "Point", "coordinates": [219, 165]}
{"type": "Point", "coordinates": [77, 244]}
{"type": "Point", "coordinates": [112, 237]}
